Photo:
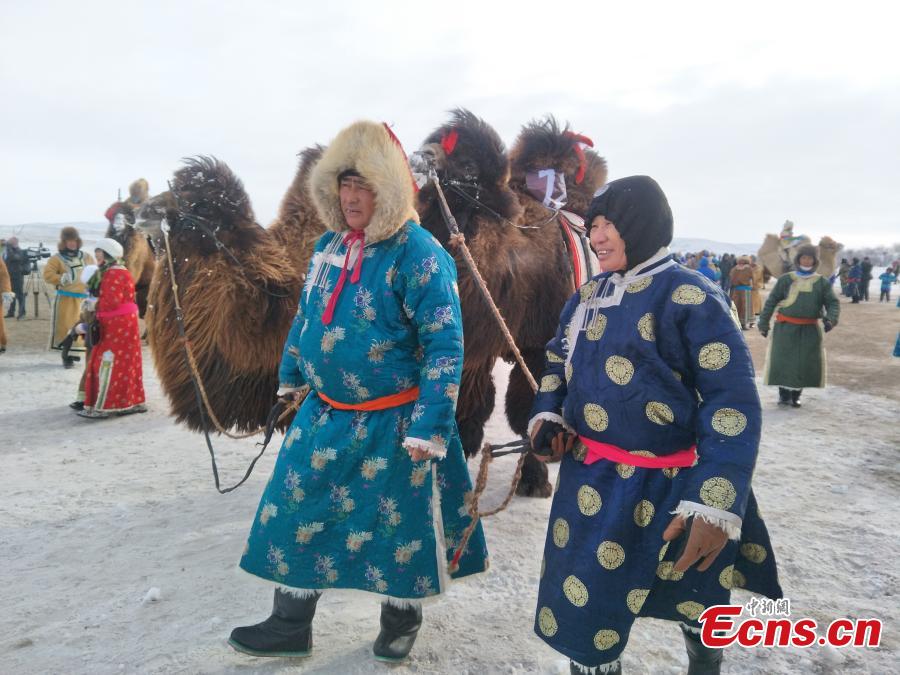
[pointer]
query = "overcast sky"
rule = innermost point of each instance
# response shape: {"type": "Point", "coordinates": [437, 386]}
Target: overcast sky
{"type": "Point", "coordinates": [746, 113]}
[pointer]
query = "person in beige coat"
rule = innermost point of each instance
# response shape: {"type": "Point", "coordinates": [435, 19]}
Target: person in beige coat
{"type": "Point", "coordinates": [7, 294]}
{"type": "Point", "coordinates": [758, 284]}
{"type": "Point", "coordinates": [63, 272]}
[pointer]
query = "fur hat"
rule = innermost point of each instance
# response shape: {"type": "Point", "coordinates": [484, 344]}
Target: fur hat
{"type": "Point", "coordinates": [370, 149]}
{"type": "Point", "coordinates": [638, 208]}
{"type": "Point", "coordinates": [110, 246]}
{"type": "Point", "coordinates": [807, 249]}
{"type": "Point", "coordinates": [139, 191]}
{"type": "Point", "coordinates": [68, 234]}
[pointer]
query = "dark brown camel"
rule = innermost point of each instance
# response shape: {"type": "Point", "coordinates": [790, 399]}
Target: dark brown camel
{"type": "Point", "coordinates": [238, 299]}
{"type": "Point", "coordinates": [520, 252]}
{"type": "Point", "coordinates": [237, 319]}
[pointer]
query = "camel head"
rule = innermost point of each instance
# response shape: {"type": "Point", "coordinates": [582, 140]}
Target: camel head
{"type": "Point", "coordinates": [151, 216]}
{"type": "Point", "coordinates": [206, 203]}
{"type": "Point", "coordinates": [471, 163]}
{"type": "Point", "coordinates": [544, 146]}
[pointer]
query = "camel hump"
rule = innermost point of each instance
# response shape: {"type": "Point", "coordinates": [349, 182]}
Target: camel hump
{"type": "Point", "coordinates": [308, 158]}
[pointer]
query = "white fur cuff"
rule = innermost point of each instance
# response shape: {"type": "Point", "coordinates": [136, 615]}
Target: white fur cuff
{"type": "Point", "coordinates": [402, 603]}
{"type": "Point", "coordinates": [434, 450]}
{"type": "Point", "coordinates": [549, 416]}
{"type": "Point", "coordinates": [724, 520]}
{"type": "Point", "coordinates": [597, 670]}
{"type": "Point", "coordinates": [287, 389]}
{"type": "Point", "coordinates": [298, 593]}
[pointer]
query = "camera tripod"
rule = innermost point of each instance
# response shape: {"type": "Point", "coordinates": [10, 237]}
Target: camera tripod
{"type": "Point", "coordinates": [35, 283]}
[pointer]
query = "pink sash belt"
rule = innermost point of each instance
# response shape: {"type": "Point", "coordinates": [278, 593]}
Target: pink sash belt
{"type": "Point", "coordinates": [121, 310]}
{"type": "Point", "coordinates": [597, 451]}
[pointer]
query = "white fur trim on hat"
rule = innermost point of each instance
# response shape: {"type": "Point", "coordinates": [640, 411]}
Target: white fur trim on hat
{"type": "Point", "coordinates": [367, 148]}
{"type": "Point", "coordinates": [110, 246]}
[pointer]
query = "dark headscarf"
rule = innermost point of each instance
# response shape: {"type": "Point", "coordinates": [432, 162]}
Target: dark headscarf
{"type": "Point", "coordinates": [638, 208]}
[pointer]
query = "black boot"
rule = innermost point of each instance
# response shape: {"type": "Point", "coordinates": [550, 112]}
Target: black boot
{"type": "Point", "coordinates": [795, 397]}
{"type": "Point", "coordinates": [288, 632]}
{"type": "Point", "coordinates": [702, 660]}
{"type": "Point", "coordinates": [399, 628]}
{"type": "Point", "coordinates": [784, 396]}
{"type": "Point", "coordinates": [614, 669]}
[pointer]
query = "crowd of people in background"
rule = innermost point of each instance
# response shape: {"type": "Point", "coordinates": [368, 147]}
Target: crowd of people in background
{"type": "Point", "coordinates": [741, 277]}
{"type": "Point", "coordinates": [856, 275]}
{"type": "Point", "coordinates": [94, 311]}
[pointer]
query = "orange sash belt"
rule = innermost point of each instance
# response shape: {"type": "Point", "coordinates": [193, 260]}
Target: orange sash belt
{"type": "Point", "coordinates": [781, 318]}
{"type": "Point", "coordinates": [382, 403]}
{"type": "Point", "coordinates": [597, 451]}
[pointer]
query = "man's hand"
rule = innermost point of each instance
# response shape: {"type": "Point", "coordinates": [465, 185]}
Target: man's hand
{"type": "Point", "coordinates": [560, 444]}
{"type": "Point", "coordinates": [827, 325]}
{"type": "Point", "coordinates": [705, 542]}
{"type": "Point", "coordinates": [418, 454]}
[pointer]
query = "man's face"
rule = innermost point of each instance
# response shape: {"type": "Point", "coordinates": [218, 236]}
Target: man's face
{"type": "Point", "coordinates": [13, 242]}
{"type": "Point", "coordinates": [807, 261]}
{"type": "Point", "coordinates": [357, 202]}
{"type": "Point", "coordinates": [608, 245]}
{"type": "Point", "coordinates": [72, 244]}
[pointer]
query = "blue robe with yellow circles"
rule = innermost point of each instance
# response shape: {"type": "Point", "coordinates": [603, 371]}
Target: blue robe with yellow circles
{"type": "Point", "coordinates": [346, 507]}
{"type": "Point", "coordinates": [652, 362]}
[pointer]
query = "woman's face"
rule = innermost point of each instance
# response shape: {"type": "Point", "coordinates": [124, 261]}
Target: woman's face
{"type": "Point", "coordinates": [608, 245]}
{"type": "Point", "coordinates": [72, 244]}
{"type": "Point", "coordinates": [100, 256]}
{"type": "Point", "coordinates": [807, 261]}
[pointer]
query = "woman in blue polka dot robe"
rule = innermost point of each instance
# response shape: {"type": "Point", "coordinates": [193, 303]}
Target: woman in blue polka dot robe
{"type": "Point", "coordinates": [649, 385]}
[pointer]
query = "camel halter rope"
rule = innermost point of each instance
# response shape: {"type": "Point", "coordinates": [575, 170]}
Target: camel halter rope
{"type": "Point", "coordinates": [203, 404]}
{"type": "Point", "coordinates": [458, 241]}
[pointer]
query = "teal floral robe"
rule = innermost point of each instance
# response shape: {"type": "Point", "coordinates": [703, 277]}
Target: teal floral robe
{"type": "Point", "coordinates": [346, 507]}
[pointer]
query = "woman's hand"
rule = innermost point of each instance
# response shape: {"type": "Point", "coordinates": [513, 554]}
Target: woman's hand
{"type": "Point", "coordinates": [705, 542]}
{"type": "Point", "coordinates": [560, 444]}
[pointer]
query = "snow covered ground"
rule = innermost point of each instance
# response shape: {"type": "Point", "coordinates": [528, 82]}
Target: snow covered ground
{"type": "Point", "coordinates": [118, 556]}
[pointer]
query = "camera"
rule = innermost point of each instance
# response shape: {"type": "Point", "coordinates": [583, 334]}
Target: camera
{"type": "Point", "coordinates": [35, 253]}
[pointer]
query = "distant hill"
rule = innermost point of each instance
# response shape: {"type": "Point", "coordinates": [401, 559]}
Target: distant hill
{"type": "Point", "coordinates": [32, 234]}
{"type": "Point", "coordinates": [690, 245]}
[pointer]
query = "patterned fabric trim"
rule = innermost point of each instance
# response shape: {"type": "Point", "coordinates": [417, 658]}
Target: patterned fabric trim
{"type": "Point", "coordinates": [104, 376]}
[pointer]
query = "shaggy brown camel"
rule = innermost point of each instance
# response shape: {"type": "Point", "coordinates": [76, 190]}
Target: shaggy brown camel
{"type": "Point", "coordinates": [237, 319]}
{"type": "Point", "coordinates": [238, 287]}
{"type": "Point", "coordinates": [518, 246]}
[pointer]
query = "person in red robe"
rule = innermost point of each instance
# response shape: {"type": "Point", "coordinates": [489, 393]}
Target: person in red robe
{"type": "Point", "coordinates": [114, 381]}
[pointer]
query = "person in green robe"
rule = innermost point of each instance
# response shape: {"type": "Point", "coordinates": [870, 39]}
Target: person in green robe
{"type": "Point", "coordinates": [796, 354]}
